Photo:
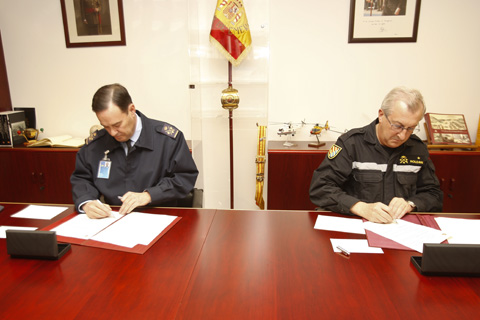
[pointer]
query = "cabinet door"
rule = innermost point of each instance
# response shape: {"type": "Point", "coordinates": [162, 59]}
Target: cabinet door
{"type": "Point", "coordinates": [459, 176]}
{"type": "Point", "coordinates": [36, 176]}
{"type": "Point", "coordinates": [289, 177]}
{"type": "Point", "coordinates": [14, 178]}
{"type": "Point", "coordinates": [51, 176]}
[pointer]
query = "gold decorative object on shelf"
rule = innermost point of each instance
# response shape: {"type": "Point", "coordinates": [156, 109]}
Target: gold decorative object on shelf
{"type": "Point", "coordinates": [230, 98]}
{"type": "Point", "coordinates": [30, 135]}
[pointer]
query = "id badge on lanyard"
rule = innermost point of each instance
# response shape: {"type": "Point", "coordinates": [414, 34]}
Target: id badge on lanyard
{"type": "Point", "coordinates": [104, 167]}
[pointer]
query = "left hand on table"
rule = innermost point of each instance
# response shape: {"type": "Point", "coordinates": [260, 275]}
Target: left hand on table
{"type": "Point", "coordinates": [131, 200]}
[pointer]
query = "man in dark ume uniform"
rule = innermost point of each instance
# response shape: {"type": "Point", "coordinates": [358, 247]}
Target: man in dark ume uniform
{"type": "Point", "coordinates": [381, 171]}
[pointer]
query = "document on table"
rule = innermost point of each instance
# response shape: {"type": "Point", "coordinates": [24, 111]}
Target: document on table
{"type": "Point", "coordinates": [349, 225]}
{"type": "Point", "coordinates": [126, 231]}
{"type": "Point", "coordinates": [39, 212]}
{"type": "Point", "coordinates": [5, 228]}
{"type": "Point", "coordinates": [409, 234]}
{"type": "Point", "coordinates": [464, 231]}
{"type": "Point", "coordinates": [135, 228]}
{"type": "Point", "coordinates": [82, 227]}
{"type": "Point", "coordinates": [354, 245]}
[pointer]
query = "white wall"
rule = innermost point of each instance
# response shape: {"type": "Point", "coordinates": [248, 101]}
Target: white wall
{"type": "Point", "coordinates": [314, 74]}
{"type": "Point", "coordinates": [317, 75]}
{"type": "Point", "coordinates": [60, 82]}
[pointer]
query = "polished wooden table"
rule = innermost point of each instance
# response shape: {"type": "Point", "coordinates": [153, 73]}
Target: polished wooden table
{"type": "Point", "coordinates": [230, 264]}
{"type": "Point", "coordinates": [93, 283]}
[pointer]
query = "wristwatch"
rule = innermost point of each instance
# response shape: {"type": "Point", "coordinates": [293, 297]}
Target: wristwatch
{"type": "Point", "coordinates": [412, 204]}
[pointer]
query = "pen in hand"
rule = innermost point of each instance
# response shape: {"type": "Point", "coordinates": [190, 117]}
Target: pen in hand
{"type": "Point", "coordinates": [103, 205]}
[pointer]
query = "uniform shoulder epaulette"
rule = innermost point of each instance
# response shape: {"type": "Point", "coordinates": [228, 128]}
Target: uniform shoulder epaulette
{"type": "Point", "coordinates": [94, 136]}
{"type": "Point", "coordinates": [352, 132]}
{"type": "Point", "coordinates": [168, 130]}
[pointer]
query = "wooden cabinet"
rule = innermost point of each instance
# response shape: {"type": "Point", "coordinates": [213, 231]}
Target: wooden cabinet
{"type": "Point", "coordinates": [290, 172]}
{"type": "Point", "coordinates": [40, 175]}
{"type": "Point", "coordinates": [459, 175]}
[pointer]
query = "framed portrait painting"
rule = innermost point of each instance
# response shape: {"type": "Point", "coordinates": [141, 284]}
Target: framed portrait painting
{"type": "Point", "coordinates": [93, 23]}
{"type": "Point", "coordinates": [383, 21]}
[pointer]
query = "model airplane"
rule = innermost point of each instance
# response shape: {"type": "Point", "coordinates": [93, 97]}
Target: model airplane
{"type": "Point", "coordinates": [316, 131]}
{"type": "Point", "coordinates": [288, 129]}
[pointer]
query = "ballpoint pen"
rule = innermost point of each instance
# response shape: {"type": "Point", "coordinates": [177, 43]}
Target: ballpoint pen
{"type": "Point", "coordinates": [345, 252]}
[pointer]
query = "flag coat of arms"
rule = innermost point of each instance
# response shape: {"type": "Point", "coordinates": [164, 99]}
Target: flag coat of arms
{"type": "Point", "coordinates": [230, 32]}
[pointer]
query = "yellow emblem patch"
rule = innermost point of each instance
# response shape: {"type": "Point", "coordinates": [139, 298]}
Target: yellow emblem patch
{"type": "Point", "coordinates": [333, 151]}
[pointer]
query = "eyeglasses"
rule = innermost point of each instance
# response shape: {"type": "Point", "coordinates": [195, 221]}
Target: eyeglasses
{"type": "Point", "coordinates": [398, 128]}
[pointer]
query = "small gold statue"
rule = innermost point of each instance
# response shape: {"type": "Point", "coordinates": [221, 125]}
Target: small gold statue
{"type": "Point", "coordinates": [30, 135]}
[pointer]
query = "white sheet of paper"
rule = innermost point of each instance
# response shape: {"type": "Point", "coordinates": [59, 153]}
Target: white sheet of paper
{"type": "Point", "coordinates": [5, 228]}
{"type": "Point", "coordinates": [409, 234]}
{"type": "Point", "coordinates": [464, 231]}
{"type": "Point", "coordinates": [82, 227]}
{"type": "Point", "coordinates": [39, 212]}
{"type": "Point", "coordinates": [349, 225]}
{"type": "Point", "coordinates": [354, 245]}
{"type": "Point", "coordinates": [135, 228]}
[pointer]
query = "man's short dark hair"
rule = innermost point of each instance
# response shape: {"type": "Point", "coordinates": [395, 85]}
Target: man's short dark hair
{"type": "Point", "coordinates": [111, 93]}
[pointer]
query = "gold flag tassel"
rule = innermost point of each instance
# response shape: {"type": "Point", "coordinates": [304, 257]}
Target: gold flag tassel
{"type": "Point", "coordinates": [260, 163]}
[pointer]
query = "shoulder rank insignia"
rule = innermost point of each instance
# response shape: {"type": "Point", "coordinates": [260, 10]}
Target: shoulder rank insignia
{"type": "Point", "coordinates": [169, 130]}
{"type": "Point", "coordinates": [94, 135]}
{"type": "Point", "coordinates": [333, 151]}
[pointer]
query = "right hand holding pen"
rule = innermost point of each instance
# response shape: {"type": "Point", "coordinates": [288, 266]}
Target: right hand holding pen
{"type": "Point", "coordinates": [97, 210]}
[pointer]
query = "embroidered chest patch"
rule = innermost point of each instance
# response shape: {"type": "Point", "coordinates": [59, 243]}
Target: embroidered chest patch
{"type": "Point", "coordinates": [414, 160]}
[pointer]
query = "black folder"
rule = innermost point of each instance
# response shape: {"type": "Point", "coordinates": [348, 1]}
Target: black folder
{"type": "Point", "coordinates": [448, 260]}
{"type": "Point", "coordinates": [35, 245]}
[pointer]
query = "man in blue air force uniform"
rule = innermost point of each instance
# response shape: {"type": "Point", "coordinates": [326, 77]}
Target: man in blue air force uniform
{"type": "Point", "coordinates": [134, 161]}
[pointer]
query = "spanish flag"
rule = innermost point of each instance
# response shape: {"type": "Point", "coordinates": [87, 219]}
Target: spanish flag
{"type": "Point", "coordinates": [230, 31]}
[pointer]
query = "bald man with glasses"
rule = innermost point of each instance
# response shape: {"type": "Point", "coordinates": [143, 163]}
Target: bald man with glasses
{"type": "Point", "coordinates": [381, 171]}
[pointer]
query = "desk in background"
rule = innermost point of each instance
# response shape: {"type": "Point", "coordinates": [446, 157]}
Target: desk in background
{"type": "Point", "coordinates": [229, 264]}
{"type": "Point", "coordinates": [290, 171]}
{"type": "Point", "coordinates": [36, 175]}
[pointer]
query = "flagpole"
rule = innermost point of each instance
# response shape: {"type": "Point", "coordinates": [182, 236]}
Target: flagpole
{"type": "Point", "coordinates": [230, 33]}
{"type": "Point", "coordinates": [230, 100]}
{"type": "Point", "coordinates": [230, 123]}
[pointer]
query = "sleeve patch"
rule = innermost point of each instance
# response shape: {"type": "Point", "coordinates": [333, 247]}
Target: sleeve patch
{"type": "Point", "coordinates": [333, 151]}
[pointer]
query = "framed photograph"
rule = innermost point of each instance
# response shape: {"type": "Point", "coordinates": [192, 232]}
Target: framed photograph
{"type": "Point", "coordinates": [447, 129]}
{"type": "Point", "coordinates": [383, 21]}
{"type": "Point", "coordinates": [93, 23]}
